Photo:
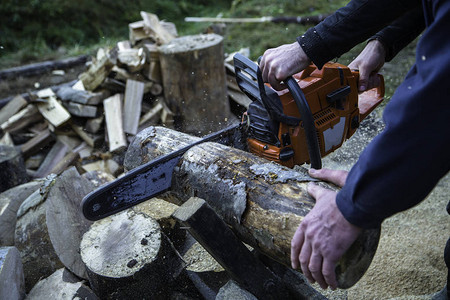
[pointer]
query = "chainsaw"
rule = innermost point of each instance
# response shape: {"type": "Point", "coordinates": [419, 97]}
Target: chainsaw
{"type": "Point", "coordinates": [312, 118]}
{"type": "Point", "coordinates": [317, 112]}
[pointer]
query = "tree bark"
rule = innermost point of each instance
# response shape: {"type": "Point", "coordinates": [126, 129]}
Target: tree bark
{"type": "Point", "coordinates": [264, 202]}
{"type": "Point", "coordinates": [12, 285]}
{"type": "Point", "coordinates": [32, 239]}
{"type": "Point", "coordinates": [193, 73]}
{"type": "Point", "coordinates": [10, 202]}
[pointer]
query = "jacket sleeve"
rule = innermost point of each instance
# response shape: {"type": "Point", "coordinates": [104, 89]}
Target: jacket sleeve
{"type": "Point", "coordinates": [401, 32]}
{"type": "Point", "coordinates": [351, 25]}
{"type": "Point", "coordinates": [402, 164]}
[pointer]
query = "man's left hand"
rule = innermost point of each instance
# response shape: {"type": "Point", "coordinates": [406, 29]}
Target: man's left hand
{"type": "Point", "coordinates": [324, 235]}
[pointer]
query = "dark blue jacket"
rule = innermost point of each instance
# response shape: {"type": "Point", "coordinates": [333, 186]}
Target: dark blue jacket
{"type": "Point", "coordinates": [400, 166]}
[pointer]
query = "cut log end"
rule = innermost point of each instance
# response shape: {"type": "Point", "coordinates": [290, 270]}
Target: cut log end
{"type": "Point", "coordinates": [111, 246]}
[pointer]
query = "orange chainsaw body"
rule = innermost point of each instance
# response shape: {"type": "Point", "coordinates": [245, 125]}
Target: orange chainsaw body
{"type": "Point", "coordinates": [337, 109]}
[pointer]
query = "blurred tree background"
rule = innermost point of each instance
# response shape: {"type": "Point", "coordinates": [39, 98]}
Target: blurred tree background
{"type": "Point", "coordinates": [41, 29]}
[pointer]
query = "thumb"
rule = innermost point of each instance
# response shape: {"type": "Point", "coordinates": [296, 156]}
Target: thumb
{"type": "Point", "coordinates": [363, 80]}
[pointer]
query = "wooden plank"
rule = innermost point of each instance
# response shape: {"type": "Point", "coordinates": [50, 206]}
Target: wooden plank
{"type": "Point", "coordinates": [134, 92]}
{"type": "Point", "coordinates": [220, 241]}
{"type": "Point", "coordinates": [114, 123]}
{"type": "Point", "coordinates": [13, 107]}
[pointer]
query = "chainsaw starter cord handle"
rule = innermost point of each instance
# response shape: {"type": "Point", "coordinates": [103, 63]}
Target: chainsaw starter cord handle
{"type": "Point", "coordinates": [308, 122]}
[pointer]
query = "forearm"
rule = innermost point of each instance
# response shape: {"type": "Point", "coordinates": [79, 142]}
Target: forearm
{"type": "Point", "coordinates": [349, 26]}
{"type": "Point", "coordinates": [401, 32]}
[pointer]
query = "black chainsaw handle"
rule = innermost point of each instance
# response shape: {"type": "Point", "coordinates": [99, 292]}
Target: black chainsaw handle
{"type": "Point", "coordinates": [308, 122]}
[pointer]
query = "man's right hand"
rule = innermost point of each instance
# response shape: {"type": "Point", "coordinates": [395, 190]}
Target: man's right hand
{"type": "Point", "coordinates": [369, 62]}
{"type": "Point", "coordinates": [279, 63]}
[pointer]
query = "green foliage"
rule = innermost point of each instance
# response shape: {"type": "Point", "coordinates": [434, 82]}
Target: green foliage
{"type": "Point", "coordinates": [50, 24]}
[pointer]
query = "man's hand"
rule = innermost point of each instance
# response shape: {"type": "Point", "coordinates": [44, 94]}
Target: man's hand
{"type": "Point", "coordinates": [369, 62]}
{"type": "Point", "coordinates": [279, 63]}
{"type": "Point", "coordinates": [324, 235]}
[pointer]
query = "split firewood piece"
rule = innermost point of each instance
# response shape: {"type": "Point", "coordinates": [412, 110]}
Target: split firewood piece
{"type": "Point", "coordinates": [64, 218]}
{"type": "Point", "coordinates": [154, 29]}
{"type": "Point", "coordinates": [152, 116]}
{"type": "Point", "coordinates": [134, 92]}
{"type": "Point", "coordinates": [32, 238]}
{"type": "Point", "coordinates": [62, 284]}
{"type": "Point", "coordinates": [10, 202]}
{"type": "Point", "coordinates": [12, 282]}
{"type": "Point", "coordinates": [194, 82]}
{"type": "Point", "coordinates": [133, 59]}
{"type": "Point", "coordinates": [55, 155]}
{"type": "Point", "coordinates": [13, 107]}
{"type": "Point", "coordinates": [12, 168]}
{"type": "Point", "coordinates": [93, 125]}
{"type": "Point", "coordinates": [36, 144]}
{"type": "Point", "coordinates": [7, 139]}
{"type": "Point", "coordinates": [152, 69]}
{"type": "Point", "coordinates": [114, 123]}
{"type": "Point", "coordinates": [81, 110]}
{"type": "Point", "coordinates": [68, 93]}
{"type": "Point", "coordinates": [139, 260]}
{"type": "Point", "coordinates": [51, 109]}
{"type": "Point", "coordinates": [264, 202]}
{"type": "Point", "coordinates": [93, 140]}
{"type": "Point", "coordinates": [22, 119]}
{"type": "Point", "coordinates": [107, 166]}
{"type": "Point", "coordinates": [98, 70]}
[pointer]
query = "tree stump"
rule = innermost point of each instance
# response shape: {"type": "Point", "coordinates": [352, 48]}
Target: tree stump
{"type": "Point", "coordinates": [10, 202]}
{"type": "Point", "coordinates": [194, 81]}
{"type": "Point", "coordinates": [61, 285]}
{"type": "Point", "coordinates": [264, 202]}
{"type": "Point", "coordinates": [127, 256]}
{"type": "Point", "coordinates": [12, 168]}
{"type": "Point", "coordinates": [12, 285]}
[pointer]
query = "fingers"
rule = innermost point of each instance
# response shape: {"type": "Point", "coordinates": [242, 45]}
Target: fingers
{"type": "Point", "coordinates": [337, 177]}
{"type": "Point", "coordinates": [329, 274]}
{"type": "Point", "coordinates": [296, 246]}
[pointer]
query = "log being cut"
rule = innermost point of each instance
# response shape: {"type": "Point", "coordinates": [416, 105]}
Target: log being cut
{"type": "Point", "coordinates": [264, 202]}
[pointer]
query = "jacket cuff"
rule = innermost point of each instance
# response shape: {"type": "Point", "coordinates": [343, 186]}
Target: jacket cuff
{"type": "Point", "coordinates": [314, 47]}
{"type": "Point", "coordinates": [353, 214]}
